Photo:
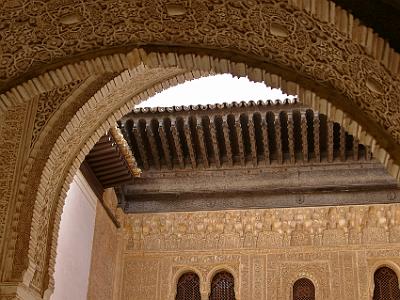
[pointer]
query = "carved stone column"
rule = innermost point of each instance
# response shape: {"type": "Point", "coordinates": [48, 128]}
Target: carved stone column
{"type": "Point", "coordinates": [204, 295]}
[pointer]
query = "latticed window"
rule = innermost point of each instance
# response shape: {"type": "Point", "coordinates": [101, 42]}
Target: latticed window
{"type": "Point", "coordinates": [222, 287]}
{"type": "Point", "coordinates": [303, 289]}
{"type": "Point", "coordinates": [386, 285]}
{"type": "Point", "coordinates": [188, 287]}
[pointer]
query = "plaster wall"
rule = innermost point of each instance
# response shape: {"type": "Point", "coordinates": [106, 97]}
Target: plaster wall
{"type": "Point", "coordinates": [74, 249]}
{"type": "Point", "coordinates": [104, 259]}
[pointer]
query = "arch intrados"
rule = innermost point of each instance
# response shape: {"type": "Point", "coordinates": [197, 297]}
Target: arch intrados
{"type": "Point", "coordinates": [303, 278]}
{"type": "Point", "coordinates": [380, 264]}
{"type": "Point", "coordinates": [306, 275]}
{"type": "Point", "coordinates": [223, 268]}
{"type": "Point", "coordinates": [182, 271]}
{"type": "Point", "coordinates": [309, 98]}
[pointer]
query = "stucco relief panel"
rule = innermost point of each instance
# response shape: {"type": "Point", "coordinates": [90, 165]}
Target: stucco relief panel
{"type": "Point", "coordinates": [274, 30]}
{"type": "Point", "coordinates": [283, 270]}
{"type": "Point", "coordinates": [11, 132]}
{"type": "Point", "coordinates": [263, 228]}
{"type": "Point", "coordinates": [338, 263]}
{"type": "Point", "coordinates": [46, 129]}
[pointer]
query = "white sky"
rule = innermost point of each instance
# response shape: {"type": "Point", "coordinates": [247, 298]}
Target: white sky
{"type": "Point", "coordinates": [214, 89]}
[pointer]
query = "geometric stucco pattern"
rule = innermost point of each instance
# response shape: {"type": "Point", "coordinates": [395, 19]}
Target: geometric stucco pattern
{"type": "Point", "coordinates": [338, 248]}
{"type": "Point", "coordinates": [264, 229]}
{"type": "Point", "coordinates": [54, 110]}
{"type": "Point", "coordinates": [12, 133]}
{"type": "Point", "coordinates": [317, 40]}
{"type": "Point", "coordinates": [48, 103]}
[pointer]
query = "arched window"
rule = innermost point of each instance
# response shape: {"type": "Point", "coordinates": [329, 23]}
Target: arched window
{"type": "Point", "coordinates": [386, 285]}
{"type": "Point", "coordinates": [303, 289]}
{"type": "Point", "coordinates": [222, 287]}
{"type": "Point", "coordinates": [188, 287]}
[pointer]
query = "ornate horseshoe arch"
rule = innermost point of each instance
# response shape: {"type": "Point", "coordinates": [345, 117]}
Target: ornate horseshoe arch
{"type": "Point", "coordinates": [329, 62]}
{"type": "Point", "coordinates": [109, 104]}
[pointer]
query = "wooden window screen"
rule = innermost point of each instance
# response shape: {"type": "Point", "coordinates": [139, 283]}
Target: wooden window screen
{"type": "Point", "coordinates": [222, 287]}
{"type": "Point", "coordinates": [386, 285]}
{"type": "Point", "coordinates": [188, 287]}
{"type": "Point", "coordinates": [303, 289]}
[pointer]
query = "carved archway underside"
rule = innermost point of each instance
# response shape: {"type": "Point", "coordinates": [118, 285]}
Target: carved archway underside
{"type": "Point", "coordinates": [335, 66]}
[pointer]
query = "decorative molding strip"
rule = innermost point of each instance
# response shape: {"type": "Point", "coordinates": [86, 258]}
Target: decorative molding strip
{"type": "Point", "coordinates": [263, 229]}
{"type": "Point", "coordinates": [126, 151]}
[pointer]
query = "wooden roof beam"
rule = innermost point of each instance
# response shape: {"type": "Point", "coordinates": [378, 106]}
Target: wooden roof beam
{"type": "Point", "coordinates": [228, 148]}
{"type": "Point", "coordinates": [214, 140]}
{"type": "Point", "coordinates": [153, 146]}
{"type": "Point", "coordinates": [291, 137]}
{"type": "Point", "coordinates": [139, 141]}
{"type": "Point", "coordinates": [108, 168]}
{"type": "Point", "coordinates": [177, 143]}
{"type": "Point", "coordinates": [317, 152]}
{"type": "Point", "coordinates": [278, 138]}
{"type": "Point", "coordinates": [253, 145]}
{"type": "Point", "coordinates": [165, 145]}
{"type": "Point", "coordinates": [304, 136]}
{"type": "Point", "coordinates": [238, 127]}
{"type": "Point", "coordinates": [368, 153]}
{"type": "Point", "coordinates": [355, 149]}
{"type": "Point", "coordinates": [329, 143]}
{"type": "Point", "coordinates": [265, 140]}
{"type": "Point", "coordinates": [117, 180]}
{"type": "Point", "coordinates": [203, 148]}
{"type": "Point", "coordinates": [99, 159]}
{"type": "Point", "coordinates": [189, 141]}
{"type": "Point", "coordinates": [114, 173]}
{"type": "Point", "coordinates": [105, 151]}
{"type": "Point", "coordinates": [342, 144]}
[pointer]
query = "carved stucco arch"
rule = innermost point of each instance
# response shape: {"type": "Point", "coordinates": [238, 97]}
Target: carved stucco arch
{"type": "Point", "coordinates": [53, 186]}
{"type": "Point", "coordinates": [307, 275]}
{"type": "Point", "coordinates": [83, 131]}
{"type": "Point", "coordinates": [379, 264]}
{"type": "Point", "coordinates": [224, 268]}
{"type": "Point", "coordinates": [315, 42]}
{"type": "Point", "coordinates": [376, 73]}
{"type": "Point", "coordinates": [181, 271]}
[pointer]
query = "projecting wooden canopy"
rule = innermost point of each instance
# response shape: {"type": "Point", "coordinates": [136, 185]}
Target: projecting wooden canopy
{"type": "Point", "coordinates": [243, 155]}
{"type": "Point", "coordinates": [236, 135]}
{"type": "Point", "coordinates": [110, 162]}
{"type": "Point", "coordinates": [238, 155]}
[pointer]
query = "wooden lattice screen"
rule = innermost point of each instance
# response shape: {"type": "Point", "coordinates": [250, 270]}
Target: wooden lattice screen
{"type": "Point", "coordinates": [188, 287]}
{"type": "Point", "coordinates": [386, 285]}
{"type": "Point", "coordinates": [222, 287]}
{"type": "Point", "coordinates": [303, 289]}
